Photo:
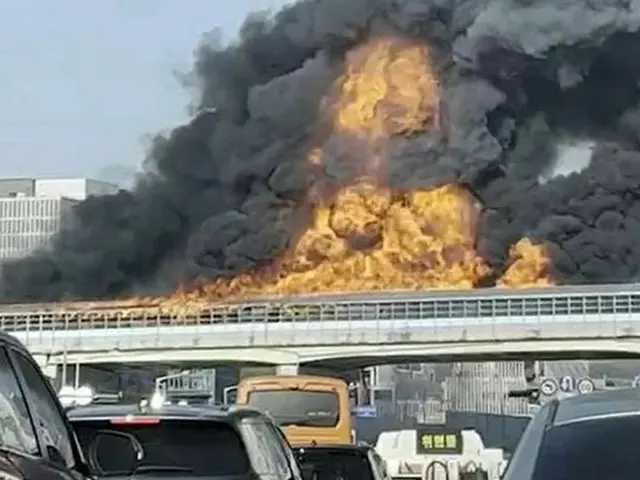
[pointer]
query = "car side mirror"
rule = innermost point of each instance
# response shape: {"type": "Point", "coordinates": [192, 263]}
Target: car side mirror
{"type": "Point", "coordinates": [114, 453]}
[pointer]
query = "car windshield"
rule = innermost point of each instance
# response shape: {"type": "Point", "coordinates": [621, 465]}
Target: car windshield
{"type": "Point", "coordinates": [605, 448]}
{"type": "Point", "coordinates": [190, 448]}
{"type": "Point", "coordinates": [335, 464]}
{"type": "Point", "coordinates": [303, 408]}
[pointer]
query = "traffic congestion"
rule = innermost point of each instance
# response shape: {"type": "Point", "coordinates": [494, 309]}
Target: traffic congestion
{"type": "Point", "coordinates": [287, 427]}
{"type": "Point", "coordinates": [295, 427]}
{"type": "Point", "coordinates": [396, 206]}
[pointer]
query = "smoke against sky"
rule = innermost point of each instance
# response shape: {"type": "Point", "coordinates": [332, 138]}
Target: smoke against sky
{"type": "Point", "coordinates": [520, 83]}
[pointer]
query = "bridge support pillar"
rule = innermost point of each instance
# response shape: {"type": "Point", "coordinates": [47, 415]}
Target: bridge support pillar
{"type": "Point", "coordinates": [287, 369]}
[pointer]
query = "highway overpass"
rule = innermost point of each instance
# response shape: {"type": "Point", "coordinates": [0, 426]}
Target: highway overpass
{"type": "Point", "coordinates": [350, 330]}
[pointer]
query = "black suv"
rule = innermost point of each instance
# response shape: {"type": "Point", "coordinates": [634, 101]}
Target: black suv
{"type": "Point", "coordinates": [36, 440]}
{"type": "Point", "coordinates": [347, 462]}
{"type": "Point", "coordinates": [182, 441]}
{"type": "Point", "coordinates": [586, 437]}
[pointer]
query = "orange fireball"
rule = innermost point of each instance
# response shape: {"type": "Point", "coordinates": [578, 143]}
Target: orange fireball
{"type": "Point", "coordinates": [365, 236]}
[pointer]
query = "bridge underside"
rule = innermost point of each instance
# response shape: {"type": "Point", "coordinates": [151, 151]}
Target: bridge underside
{"type": "Point", "coordinates": [334, 366]}
{"type": "Point", "coordinates": [369, 361]}
{"type": "Point", "coordinates": [363, 355]}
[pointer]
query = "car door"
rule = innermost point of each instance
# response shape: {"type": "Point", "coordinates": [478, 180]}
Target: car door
{"type": "Point", "coordinates": [58, 455]}
{"type": "Point", "coordinates": [18, 438]}
{"type": "Point", "coordinates": [523, 462]}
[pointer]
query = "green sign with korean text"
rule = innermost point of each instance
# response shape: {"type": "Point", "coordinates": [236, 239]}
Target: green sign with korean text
{"type": "Point", "coordinates": [438, 441]}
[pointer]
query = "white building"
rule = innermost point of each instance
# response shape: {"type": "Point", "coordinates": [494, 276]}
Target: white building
{"type": "Point", "coordinates": [484, 387]}
{"type": "Point", "coordinates": [481, 387]}
{"type": "Point", "coordinates": [32, 210]}
{"type": "Point", "coordinates": [73, 188]}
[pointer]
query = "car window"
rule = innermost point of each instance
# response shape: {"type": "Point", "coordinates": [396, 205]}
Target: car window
{"type": "Point", "coordinates": [203, 449]}
{"type": "Point", "coordinates": [522, 463]}
{"type": "Point", "coordinates": [47, 416]}
{"type": "Point", "coordinates": [16, 427]}
{"type": "Point", "coordinates": [605, 448]}
{"type": "Point", "coordinates": [311, 408]}
{"type": "Point", "coordinates": [268, 462]}
{"type": "Point", "coordinates": [332, 463]}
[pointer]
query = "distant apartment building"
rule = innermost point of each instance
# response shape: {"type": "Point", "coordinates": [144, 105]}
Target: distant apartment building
{"type": "Point", "coordinates": [32, 210]}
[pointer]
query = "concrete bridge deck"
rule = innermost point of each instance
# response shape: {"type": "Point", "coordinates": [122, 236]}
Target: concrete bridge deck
{"type": "Point", "coordinates": [492, 323]}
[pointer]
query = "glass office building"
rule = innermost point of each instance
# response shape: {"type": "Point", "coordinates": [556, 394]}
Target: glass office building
{"type": "Point", "coordinates": [33, 210]}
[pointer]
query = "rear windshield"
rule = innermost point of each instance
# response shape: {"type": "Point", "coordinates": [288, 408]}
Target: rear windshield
{"type": "Point", "coordinates": [333, 464]}
{"type": "Point", "coordinates": [596, 449]}
{"type": "Point", "coordinates": [297, 407]}
{"type": "Point", "coordinates": [195, 449]}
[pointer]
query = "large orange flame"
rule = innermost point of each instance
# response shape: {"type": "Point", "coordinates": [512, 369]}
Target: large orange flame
{"type": "Point", "coordinates": [366, 237]}
{"type": "Point", "coordinates": [529, 266]}
{"type": "Point", "coordinates": [388, 88]}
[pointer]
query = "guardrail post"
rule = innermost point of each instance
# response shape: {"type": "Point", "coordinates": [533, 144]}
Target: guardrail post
{"type": "Point", "coordinates": [76, 375]}
{"type": "Point", "coordinates": [64, 367]}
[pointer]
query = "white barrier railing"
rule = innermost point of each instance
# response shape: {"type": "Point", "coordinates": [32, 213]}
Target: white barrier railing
{"type": "Point", "coordinates": [471, 307]}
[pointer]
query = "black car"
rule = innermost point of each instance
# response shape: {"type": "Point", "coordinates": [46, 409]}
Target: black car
{"type": "Point", "coordinates": [36, 440]}
{"type": "Point", "coordinates": [586, 437]}
{"type": "Point", "coordinates": [182, 441]}
{"type": "Point", "coordinates": [346, 462]}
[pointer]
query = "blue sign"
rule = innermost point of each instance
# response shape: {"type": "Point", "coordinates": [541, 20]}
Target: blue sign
{"type": "Point", "coordinates": [365, 411]}
{"type": "Point", "coordinates": [567, 384]}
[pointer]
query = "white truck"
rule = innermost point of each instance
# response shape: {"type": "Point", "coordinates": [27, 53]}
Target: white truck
{"type": "Point", "coordinates": [435, 453]}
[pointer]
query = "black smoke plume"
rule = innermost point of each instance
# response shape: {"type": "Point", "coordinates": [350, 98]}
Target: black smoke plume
{"type": "Point", "coordinates": [522, 79]}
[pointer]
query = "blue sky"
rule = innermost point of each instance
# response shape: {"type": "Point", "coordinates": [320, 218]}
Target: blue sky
{"type": "Point", "coordinates": [82, 82]}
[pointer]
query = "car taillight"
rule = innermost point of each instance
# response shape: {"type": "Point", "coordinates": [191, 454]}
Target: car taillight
{"type": "Point", "coordinates": [135, 421]}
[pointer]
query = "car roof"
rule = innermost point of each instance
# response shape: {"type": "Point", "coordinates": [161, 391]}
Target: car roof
{"type": "Point", "coordinates": [176, 412]}
{"type": "Point", "coordinates": [8, 339]}
{"type": "Point", "coordinates": [334, 448]}
{"type": "Point", "coordinates": [598, 404]}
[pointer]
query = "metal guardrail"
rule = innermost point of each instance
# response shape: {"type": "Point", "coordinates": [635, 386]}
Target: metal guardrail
{"type": "Point", "coordinates": [487, 304]}
{"type": "Point", "coordinates": [197, 382]}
